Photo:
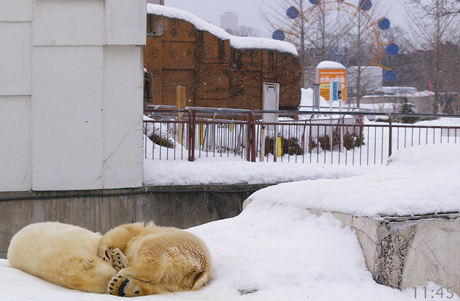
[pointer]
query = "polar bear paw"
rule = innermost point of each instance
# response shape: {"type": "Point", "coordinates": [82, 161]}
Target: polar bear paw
{"type": "Point", "coordinates": [123, 286]}
{"type": "Point", "coordinates": [105, 253]}
{"type": "Point", "coordinates": [119, 260]}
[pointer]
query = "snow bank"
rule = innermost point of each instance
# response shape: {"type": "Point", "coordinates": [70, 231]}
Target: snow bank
{"type": "Point", "coordinates": [418, 180]}
{"type": "Point", "coordinates": [269, 252]}
{"type": "Point", "coordinates": [306, 102]}
{"type": "Point", "coordinates": [239, 171]}
{"type": "Point", "coordinates": [235, 42]}
{"type": "Point", "coordinates": [306, 99]}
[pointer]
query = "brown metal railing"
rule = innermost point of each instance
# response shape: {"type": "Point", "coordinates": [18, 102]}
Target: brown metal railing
{"type": "Point", "coordinates": [315, 137]}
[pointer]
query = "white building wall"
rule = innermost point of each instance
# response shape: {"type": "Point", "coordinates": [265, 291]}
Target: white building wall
{"type": "Point", "coordinates": [15, 91]}
{"type": "Point", "coordinates": [123, 129]}
{"type": "Point", "coordinates": [58, 22]}
{"type": "Point", "coordinates": [16, 11]}
{"type": "Point", "coordinates": [67, 117]}
{"type": "Point", "coordinates": [15, 163]}
{"type": "Point", "coordinates": [15, 75]}
{"type": "Point", "coordinates": [70, 105]}
{"type": "Point", "coordinates": [125, 23]}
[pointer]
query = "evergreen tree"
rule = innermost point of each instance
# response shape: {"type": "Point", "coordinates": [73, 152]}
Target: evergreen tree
{"type": "Point", "coordinates": [406, 108]}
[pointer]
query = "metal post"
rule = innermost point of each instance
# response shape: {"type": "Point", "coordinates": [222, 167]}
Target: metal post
{"type": "Point", "coordinates": [262, 144]}
{"type": "Point", "coordinates": [191, 135]}
{"type": "Point", "coordinates": [390, 135]}
{"type": "Point", "coordinates": [253, 144]}
{"type": "Point", "coordinates": [250, 141]}
{"type": "Point", "coordinates": [248, 138]}
{"type": "Point", "coordinates": [180, 104]}
{"type": "Point", "coordinates": [316, 97]}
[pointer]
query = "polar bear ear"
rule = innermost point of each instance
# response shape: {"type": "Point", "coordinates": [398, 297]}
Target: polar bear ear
{"type": "Point", "coordinates": [88, 263]}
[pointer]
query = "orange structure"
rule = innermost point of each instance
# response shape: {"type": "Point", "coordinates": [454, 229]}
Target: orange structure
{"type": "Point", "coordinates": [214, 73]}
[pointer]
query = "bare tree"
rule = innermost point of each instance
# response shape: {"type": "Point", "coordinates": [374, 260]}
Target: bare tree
{"type": "Point", "coordinates": [403, 64]}
{"type": "Point", "coordinates": [321, 33]}
{"type": "Point", "coordinates": [273, 13]}
{"type": "Point", "coordinates": [448, 7]}
{"type": "Point", "coordinates": [245, 31]}
{"type": "Point", "coordinates": [434, 27]}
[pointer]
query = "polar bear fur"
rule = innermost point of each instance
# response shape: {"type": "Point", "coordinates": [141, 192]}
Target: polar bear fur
{"type": "Point", "coordinates": [153, 260]}
{"type": "Point", "coordinates": [62, 254]}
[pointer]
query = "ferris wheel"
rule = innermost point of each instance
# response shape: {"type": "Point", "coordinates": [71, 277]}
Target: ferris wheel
{"type": "Point", "coordinates": [342, 13]}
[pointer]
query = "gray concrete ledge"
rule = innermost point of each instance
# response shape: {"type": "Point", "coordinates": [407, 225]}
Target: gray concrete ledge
{"type": "Point", "coordinates": [407, 251]}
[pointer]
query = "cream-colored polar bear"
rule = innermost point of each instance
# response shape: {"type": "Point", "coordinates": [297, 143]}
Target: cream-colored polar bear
{"type": "Point", "coordinates": [153, 260]}
{"type": "Point", "coordinates": [62, 254]}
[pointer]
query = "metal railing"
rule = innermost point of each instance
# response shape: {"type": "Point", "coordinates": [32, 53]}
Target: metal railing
{"type": "Point", "coordinates": [306, 137]}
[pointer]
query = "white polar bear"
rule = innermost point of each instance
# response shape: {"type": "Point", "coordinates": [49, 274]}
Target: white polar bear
{"type": "Point", "coordinates": [153, 260]}
{"type": "Point", "coordinates": [62, 254]}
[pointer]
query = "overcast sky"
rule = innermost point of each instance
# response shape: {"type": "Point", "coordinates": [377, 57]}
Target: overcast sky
{"type": "Point", "coordinates": [248, 11]}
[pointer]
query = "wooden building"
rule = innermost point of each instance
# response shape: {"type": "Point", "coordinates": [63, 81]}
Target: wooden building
{"type": "Point", "coordinates": [214, 73]}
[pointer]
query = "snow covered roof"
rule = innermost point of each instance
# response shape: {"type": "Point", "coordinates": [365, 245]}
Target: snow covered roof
{"type": "Point", "coordinates": [330, 65]}
{"type": "Point", "coordinates": [235, 42]}
{"type": "Point", "coordinates": [400, 92]}
{"type": "Point", "coordinates": [399, 89]}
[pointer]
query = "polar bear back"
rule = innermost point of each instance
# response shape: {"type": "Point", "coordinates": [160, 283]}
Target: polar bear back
{"type": "Point", "coordinates": [62, 254]}
{"type": "Point", "coordinates": [42, 242]}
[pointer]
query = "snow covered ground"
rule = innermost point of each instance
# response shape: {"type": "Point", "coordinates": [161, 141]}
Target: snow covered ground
{"type": "Point", "coordinates": [276, 250]}
{"type": "Point", "coordinates": [269, 252]}
{"type": "Point", "coordinates": [419, 180]}
{"type": "Point", "coordinates": [223, 169]}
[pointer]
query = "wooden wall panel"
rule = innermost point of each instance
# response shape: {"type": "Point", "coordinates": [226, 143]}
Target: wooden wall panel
{"type": "Point", "coordinates": [247, 59]}
{"type": "Point", "coordinates": [212, 50]}
{"type": "Point", "coordinates": [268, 64]}
{"type": "Point", "coordinates": [157, 80]}
{"type": "Point", "coordinates": [246, 89]}
{"type": "Point", "coordinates": [212, 84]}
{"type": "Point", "coordinates": [179, 55]}
{"type": "Point", "coordinates": [174, 78]}
{"type": "Point", "coordinates": [153, 54]}
{"type": "Point", "coordinates": [290, 94]}
{"type": "Point", "coordinates": [287, 67]}
{"type": "Point", "coordinates": [214, 74]}
{"type": "Point", "coordinates": [179, 30]}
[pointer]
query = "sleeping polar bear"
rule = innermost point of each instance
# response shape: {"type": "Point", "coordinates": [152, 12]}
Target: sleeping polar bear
{"type": "Point", "coordinates": [151, 260]}
{"type": "Point", "coordinates": [62, 254]}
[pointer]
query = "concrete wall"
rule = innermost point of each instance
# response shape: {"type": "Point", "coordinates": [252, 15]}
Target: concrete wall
{"type": "Point", "coordinates": [71, 94]}
{"type": "Point", "coordinates": [405, 252]}
{"type": "Point", "coordinates": [101, 210]}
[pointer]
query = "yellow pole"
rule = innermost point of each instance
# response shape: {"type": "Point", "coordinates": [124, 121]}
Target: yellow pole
{"type": "Point", "coordinates": [180, 104]}
{"type": "Point", "coordinates": [201, 134]}
{"type": "Point", "coordinates": [279, 147]}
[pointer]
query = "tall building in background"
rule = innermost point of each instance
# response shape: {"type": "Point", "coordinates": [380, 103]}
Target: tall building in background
{"type": "Point", "coordinates": [229, 22]}
{"type": "Point", "coordinates": [161, 2]}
